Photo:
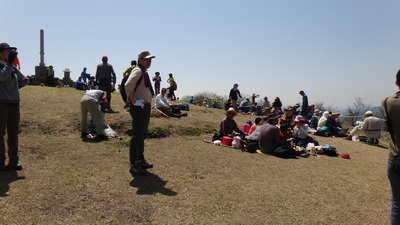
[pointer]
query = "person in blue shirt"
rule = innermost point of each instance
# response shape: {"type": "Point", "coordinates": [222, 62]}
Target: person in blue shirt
{"type": "Point", "coordinates": [80, 85]}
{"type": "Point", "coordinates": [85, 76]}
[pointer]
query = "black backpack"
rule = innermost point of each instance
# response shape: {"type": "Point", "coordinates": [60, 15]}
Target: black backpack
{"type": "Point", "coordinates": [285, 151]}
{"type": "Point", "coordinates": [122, 87]}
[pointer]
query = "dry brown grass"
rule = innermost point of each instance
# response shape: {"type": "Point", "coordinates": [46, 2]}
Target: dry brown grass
{"type": "Point", "coordinates": [67, 181]}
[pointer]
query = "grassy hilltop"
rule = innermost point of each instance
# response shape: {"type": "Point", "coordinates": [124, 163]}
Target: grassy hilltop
{"type": "Point", "coordinates": [68, 181]}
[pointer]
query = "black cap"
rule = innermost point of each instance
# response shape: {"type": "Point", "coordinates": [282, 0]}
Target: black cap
{"type": "Point", "coordinates": [6, 46]}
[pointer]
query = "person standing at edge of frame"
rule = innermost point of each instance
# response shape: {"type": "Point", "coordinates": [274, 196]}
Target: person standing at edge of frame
{"type": "Point", "coordinates": [11, 80]}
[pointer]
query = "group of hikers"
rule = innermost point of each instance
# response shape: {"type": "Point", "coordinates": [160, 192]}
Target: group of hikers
{"type": "Point", "coordinates": [276, 132]}
{"type": "Point", "coordinates": [289, 127]}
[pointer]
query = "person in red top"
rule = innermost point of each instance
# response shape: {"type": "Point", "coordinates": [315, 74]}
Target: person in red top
{"type": "Point", "coordinates": [254, 126]}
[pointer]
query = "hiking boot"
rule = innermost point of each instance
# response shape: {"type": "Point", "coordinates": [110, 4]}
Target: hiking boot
{"type": "Point", "coordinates": [145, 165]}
{"type": "Point", "coordinates": [136, 169]}
{"type": "Point", "coordinates": [17, 167]}
{"type": "Point", "coordinates": [102, 137]}
{"type": "Point", "coordinates": [4, 168]}
{"type": "Point", "coordinates": [84, 135]}
{"type": "Point", "coordinates": [347, 138]}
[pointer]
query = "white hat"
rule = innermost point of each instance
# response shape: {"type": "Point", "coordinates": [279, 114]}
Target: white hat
{"type": "Point", "coordinates": [369, 113]}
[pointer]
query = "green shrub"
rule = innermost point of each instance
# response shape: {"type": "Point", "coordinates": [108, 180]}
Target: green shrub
{"type": "Point", "coordinates": [158, 132]}
{"type": "Point", "coordinates": [195, 130]}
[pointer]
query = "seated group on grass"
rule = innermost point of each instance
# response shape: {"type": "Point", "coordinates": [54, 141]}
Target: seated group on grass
{"type": "Point", "coordinates": [270, 134]}
{"type": "Point", "coordinates": [274, 131]}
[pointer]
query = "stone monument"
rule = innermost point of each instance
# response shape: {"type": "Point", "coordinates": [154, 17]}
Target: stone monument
{"type": "Point", "coordinates": [40, 71]}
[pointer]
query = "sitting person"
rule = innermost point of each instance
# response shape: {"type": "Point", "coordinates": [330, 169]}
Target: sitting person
{"type": "Point", "coordinates": [191, 100]}
{"type": "Point", "coordinates": [254, 126]}
{"type": "Point", "coordinates": [266, 112]}
{"type": "Point", "coordinates": [333, 127]}
{"type": "Point", "coordinates": [80, 85]}
{"type": "Point", "coordinates": [322, 120]}
{"type": "Point", "coordinates": [371, 128]}
{"type": "Point", "coordinates": [286, 133]}
{"type": "Point", "coordinates": [255, 135]}
{"type": "Point", "coordinates": [270, 135]}
{"type": "Point", "coordinates": [315, 118]}
{"type": "Point", "coordinates": [92, 84]}
{"type": "Point", "coordinates": [245, 105]}
{"type": "Point", "coordinates": [228, 126]}
{"type": "Point", "coordinates": [288, 118]}
{"type": "Point", "coordinates": [227, 104]}
{"type": "Point", "coordinates": [162, 104]}
{"type": "Point", "coordinates": [300, 133]}
{"type": "Point", "coordinates": [246, 127]}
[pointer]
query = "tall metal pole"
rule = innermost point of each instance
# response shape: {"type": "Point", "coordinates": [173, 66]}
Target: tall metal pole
{"type": "Point", "coordinates": [41, 48]}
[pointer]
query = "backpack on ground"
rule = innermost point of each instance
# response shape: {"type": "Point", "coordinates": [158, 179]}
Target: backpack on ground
{"type": "Point", "coordinates": [285, 151]}
{"type": "Point", "coordinates": [251, 146]}
{"type": "Point", "coordinates": [328, 150]}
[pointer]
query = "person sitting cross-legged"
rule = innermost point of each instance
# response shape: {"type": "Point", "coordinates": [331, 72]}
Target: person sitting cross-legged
{"type": "Point", "coordinates": [228, 125]}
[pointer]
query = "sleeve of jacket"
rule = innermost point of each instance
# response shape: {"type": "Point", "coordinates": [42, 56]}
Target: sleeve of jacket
{"type": "Point", "coordinates": [22, 80]}
{"type": "Point", "coordinates": [6, 71]}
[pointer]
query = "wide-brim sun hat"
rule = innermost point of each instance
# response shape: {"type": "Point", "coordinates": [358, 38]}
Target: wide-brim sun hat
{"type": "Point", "coordinates": [299, 118]}
{"type": "Point", "coordinates": [231, 110]}
{"type": "Point", "coordinates": [273, 116]}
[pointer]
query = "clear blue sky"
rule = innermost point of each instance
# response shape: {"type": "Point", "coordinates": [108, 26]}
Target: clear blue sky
{"type": "Point", "coordinates": [333, 50]}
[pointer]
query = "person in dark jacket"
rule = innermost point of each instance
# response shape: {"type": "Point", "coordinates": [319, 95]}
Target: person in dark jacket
{"type": "Point", "coordinates": [233, 96]}
{"type": "Point", "coordinates": [11, 80]}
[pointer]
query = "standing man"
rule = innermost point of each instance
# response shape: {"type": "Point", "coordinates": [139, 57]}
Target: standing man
{"type": "Point", "coordinates": [233, 96]}
{"type": "Point", "coordinates": [157, 82]}
{"type": "Point", "coordinates": [391, 110]}
{"type": "Point", "coordinates": [11, 79]}
{"type": "Point", "coordinates": [139, 90]}
{"type": "Point", "coordinates": [106, 78]}
{"type": "Point", "coordinates": [304, 105]}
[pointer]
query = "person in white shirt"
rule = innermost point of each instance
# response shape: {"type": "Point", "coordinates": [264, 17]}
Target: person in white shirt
{"type": "Point", "coordinates": [162, 104]}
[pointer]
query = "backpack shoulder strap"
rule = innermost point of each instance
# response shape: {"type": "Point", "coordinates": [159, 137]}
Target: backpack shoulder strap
{"type": "Point", "coordinates": [137, 83]}
{"type": "Point", "coordinates": [388, 123]}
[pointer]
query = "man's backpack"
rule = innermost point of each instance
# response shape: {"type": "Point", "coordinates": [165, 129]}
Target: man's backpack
{"type": "Point", "coordinates": [122, 89]}
{"type": "Point", "coordinates": [175, 86]}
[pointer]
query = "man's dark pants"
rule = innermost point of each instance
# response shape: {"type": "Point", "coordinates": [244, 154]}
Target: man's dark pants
{"type": "Point", "coordinates": [157, 88]}
{"type": "Point", "coordinates": [9, 118]}
{"type": "Point", "coordinates": [140, 122]}
{"type": "Point", "coordinates": [105, 85]}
